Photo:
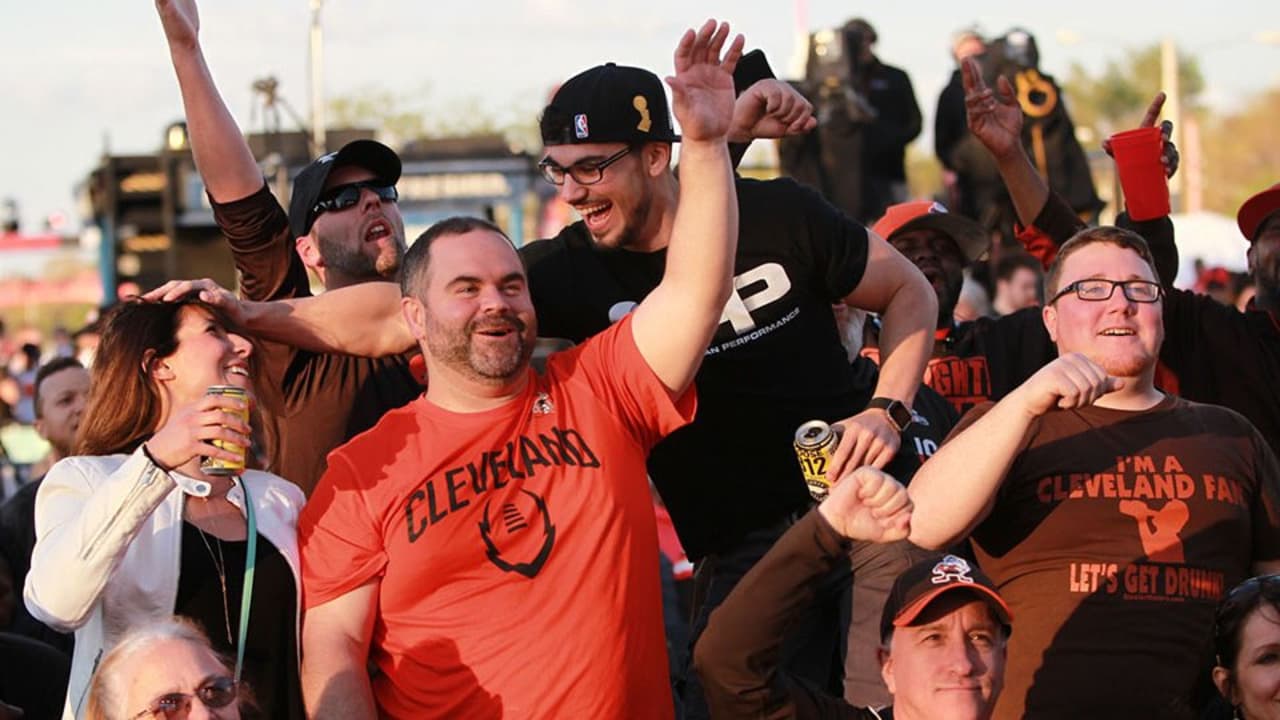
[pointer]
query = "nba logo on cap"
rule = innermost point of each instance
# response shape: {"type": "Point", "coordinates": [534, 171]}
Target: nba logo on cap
{"type": "Point", "coordinates": [580, 126]}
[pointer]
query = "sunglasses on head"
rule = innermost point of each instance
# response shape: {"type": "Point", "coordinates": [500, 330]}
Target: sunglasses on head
{"type": "Point", "coordinates": [341, 197]}
{"type": "Point", "coordinates": [216, 693]}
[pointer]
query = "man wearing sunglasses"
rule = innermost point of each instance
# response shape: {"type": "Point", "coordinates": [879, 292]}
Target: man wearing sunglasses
{"type": "Point", "coordinates": [1112, 517]}
{"type": "Point", "coordinates": [343, 224]}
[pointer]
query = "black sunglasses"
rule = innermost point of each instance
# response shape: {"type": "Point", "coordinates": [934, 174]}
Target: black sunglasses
{"type": "Point", "coordinates": [583, 173]}
{"type": "Point", "coordinates": [217, 693]}
{"type": "Point", "coordinates": [341, 197]}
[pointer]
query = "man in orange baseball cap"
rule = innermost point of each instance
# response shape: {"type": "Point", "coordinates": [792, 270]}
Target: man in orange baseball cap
{"type": "Point", "coordinates": [1259, 221]}
{"type": "Point", "coordinates": [972, 361]}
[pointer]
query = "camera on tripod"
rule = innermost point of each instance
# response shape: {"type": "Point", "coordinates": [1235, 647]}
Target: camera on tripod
{"type": "Point", "coordinates": [1015, 56]}
{"type": "Point", "coordinates": [834, 70]}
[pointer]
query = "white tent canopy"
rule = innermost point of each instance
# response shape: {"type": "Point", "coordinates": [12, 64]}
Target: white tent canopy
{"type": "Point", "coordinates": [1213, 238]}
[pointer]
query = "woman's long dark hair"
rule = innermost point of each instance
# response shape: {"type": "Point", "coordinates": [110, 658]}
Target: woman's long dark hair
{"type": "Point", "coordinates": [124, 402]}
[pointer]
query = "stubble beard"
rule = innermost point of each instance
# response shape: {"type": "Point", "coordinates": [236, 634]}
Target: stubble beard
{"type": "Point", "coordinates": [347, 257]}
{"type": "Point", "coordinates": [629, 235]}
{"type": "Point", "coordinates": [492, 365]}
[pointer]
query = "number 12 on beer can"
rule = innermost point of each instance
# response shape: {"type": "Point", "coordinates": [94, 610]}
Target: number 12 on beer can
{"type": "Point", "coordinates": [815, 443]}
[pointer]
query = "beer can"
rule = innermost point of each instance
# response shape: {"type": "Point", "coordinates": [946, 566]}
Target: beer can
{"type": "Point", "coordinates": [218, 466]}
{"type": "Point", "coordinates": [815, 443]}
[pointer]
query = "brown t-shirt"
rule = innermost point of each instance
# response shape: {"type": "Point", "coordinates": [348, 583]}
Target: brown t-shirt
{"type": "Point", "coordinates": [1112, 538]}
{"type": "Point", "coordinates": [311, 402]}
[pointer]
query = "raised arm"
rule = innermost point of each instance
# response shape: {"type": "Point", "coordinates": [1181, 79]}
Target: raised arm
{"type": "Point", "coordinates": [893, 287]}
{"type": "Point", "coordinates": [955, 489]}
{"type": "Point", "coordinates": [220, 151]}
{"type": "Point", "coordinates": [738, 655]}
{"type": "Point", "coordinates": [674, 324]}
{"type": "Point", "coordinates": [995, 119]}
{"type": "Point", "coordinates": [362, 319]}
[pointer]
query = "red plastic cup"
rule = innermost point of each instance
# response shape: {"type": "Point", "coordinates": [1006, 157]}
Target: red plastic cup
{"type": "Point", "coordinates": [1146, 190]}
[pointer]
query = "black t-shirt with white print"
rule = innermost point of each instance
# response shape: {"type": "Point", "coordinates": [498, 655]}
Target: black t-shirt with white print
{"type": "Point", "coordinates": [775, 361]}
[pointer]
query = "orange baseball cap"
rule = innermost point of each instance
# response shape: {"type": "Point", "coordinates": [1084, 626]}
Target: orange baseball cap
{"type": "Point", "coordinates": [1257, 209]}
{"type": "Point", "coordinates": [928, 214]}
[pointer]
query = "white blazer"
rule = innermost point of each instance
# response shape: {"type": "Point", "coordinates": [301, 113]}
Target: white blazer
{"type": "Point", "coordinates": [108, 549]}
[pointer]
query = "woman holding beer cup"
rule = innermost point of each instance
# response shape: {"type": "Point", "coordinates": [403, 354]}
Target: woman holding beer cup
{"type": "Point", "coordinates": [156, 515]}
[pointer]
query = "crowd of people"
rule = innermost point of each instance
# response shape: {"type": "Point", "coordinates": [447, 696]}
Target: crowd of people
{"type": "Point", "coordinates": [1054, 489]}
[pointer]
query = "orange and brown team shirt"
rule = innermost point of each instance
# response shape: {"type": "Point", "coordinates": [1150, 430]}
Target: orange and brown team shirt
{"type": "Point", "coordinates": [516, 549]}
{"type": "Point", "coordinates": [1113, 537]}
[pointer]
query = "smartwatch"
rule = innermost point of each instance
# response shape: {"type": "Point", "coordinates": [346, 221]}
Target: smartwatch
{"type": "Point", "coordinates": [899, 414]}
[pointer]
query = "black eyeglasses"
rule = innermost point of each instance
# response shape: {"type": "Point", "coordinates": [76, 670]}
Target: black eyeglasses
{"type": "Point", "coordinates": [341, 197]}
{"type": "Point", "coordinates": [583, 173]}
{"type": "Point", "coordinates": [1098, 290]}
{"type": "Point", "coordinates": [217, 693]}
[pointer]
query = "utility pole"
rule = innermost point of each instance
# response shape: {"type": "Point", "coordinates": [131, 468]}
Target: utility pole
{"type": "Point", "coordinates": [800, 51]}
{"type": "Point", "coordinates": [317, 80]}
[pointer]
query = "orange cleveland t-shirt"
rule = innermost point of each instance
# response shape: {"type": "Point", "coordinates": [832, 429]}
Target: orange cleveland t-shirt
{"type": "Point", "coordinates": [516, 548]}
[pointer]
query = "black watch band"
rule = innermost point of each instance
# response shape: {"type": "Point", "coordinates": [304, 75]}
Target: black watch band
{"type": "Point", "coordinates": [899, 414]}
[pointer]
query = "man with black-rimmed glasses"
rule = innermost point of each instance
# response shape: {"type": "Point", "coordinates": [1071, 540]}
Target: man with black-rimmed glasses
{"type": "Point", "coordinates": [1111, 516]}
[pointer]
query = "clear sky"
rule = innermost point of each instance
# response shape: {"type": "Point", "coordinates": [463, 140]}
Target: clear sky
{"type": "Point", "coordinates": [79, 76]}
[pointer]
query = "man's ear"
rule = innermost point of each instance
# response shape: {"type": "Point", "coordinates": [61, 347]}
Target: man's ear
{"type": "Point", "coordinates": [309, 252]}
{"type": "Point", "coordinates": [886, 667]}
{"type": "Point", "coordinates": [415, 315]}
{"type": "Point", "coordinates": [1249, 256]}
{"type": "Point", "coordinates": [656, 157]}
{"type": "Point", "coordinates": [1050, 316]}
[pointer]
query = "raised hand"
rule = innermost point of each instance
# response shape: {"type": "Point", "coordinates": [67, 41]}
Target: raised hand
{"type": "Point", "coordinates": [1070, 381]}
{"type": "Point", "coordinates": [770, 109]}
{"type": "Point", "coordinates": [702, 87]}
{"type": "Point", "coordinates": [995, 118]}
{"type": "Point", "coordinates": [1168, 152]}
{"type": "Point", "coordinates": [190, 430]}
{"type": "Point", "coordinates": [181, 21]}
{"type": "Point", "coordinates": [209, 292]}
{"type": "Point", "coordinates": [868, 505]}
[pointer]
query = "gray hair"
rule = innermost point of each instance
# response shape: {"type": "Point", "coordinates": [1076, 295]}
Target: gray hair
{"type": "Point", "coordinates": [107, 689]}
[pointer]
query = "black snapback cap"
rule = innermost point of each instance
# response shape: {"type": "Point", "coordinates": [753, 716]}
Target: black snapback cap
{"type": "Point", "coordinates": [371, 155]}
{"type": "Point", "coordinates": [608, 103]}
{"type": "Point", "coordinates": [922, 583]}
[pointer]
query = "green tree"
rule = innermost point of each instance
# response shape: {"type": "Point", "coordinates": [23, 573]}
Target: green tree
{"type": "Point", "coordinates": [1117, 98]}
{"type": "Point", "coordinates": [413, 115]}
{"type": "Point", "coordinates": [1241, 156]}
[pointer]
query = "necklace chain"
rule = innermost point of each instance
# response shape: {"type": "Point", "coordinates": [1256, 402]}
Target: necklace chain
{"type": "Point", "coordinates": [220, 564]}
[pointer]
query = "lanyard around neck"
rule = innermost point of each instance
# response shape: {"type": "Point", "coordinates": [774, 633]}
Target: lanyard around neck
{"type": "Point", "coordinates": [250, 560]}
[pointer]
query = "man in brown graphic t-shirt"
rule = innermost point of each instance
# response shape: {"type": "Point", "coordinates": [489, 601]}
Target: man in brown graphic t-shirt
{"type": "Point", "coordinates": [1112, 517]}
{"type": "Point", "coordinates": [343, 224]}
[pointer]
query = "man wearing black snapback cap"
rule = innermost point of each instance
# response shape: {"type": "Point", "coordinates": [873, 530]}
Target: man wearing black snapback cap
{"type": "Point", "coordinates": [343, 224]}
{"type": "Point", "coordinates": [942, 631]}
{"type": "Point", "coordinates": [730, 479]}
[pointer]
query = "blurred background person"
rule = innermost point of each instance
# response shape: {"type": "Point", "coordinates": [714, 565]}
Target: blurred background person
{"type": "Point", "coordinates": [22, 445]}
{"type": "Point", "coordinates": [1019, 281]}
{"type": "Point", "coordinates": [62, 390]}
{"type": "Point", "coordinates": [969, 175]}
{"type": "Point", "coordinates": [867, 115]}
